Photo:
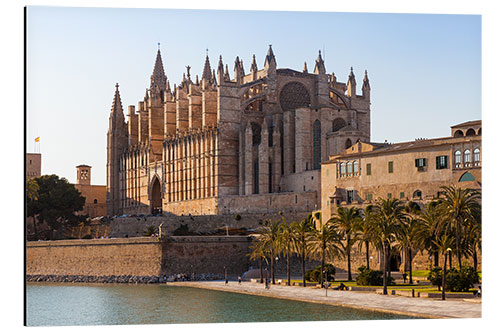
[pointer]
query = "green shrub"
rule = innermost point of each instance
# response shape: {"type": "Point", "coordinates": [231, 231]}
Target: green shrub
{"type": "Point", "coordinates": [151, 230]}
{"type": "Point", "coordinates": [456, 280]}
{"type": "Point", "coordinates": [314, 275]}
{"type": "Point", "coordinates": [182, 230]}
{"type": "Point", "coordinates": [461, 280]}
{"type": "Point", "coordinates": [435, 276]}
{"type": "Point", "coordinates": [370, 277]}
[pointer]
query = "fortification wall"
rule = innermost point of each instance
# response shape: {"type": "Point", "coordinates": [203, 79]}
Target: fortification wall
{"type": "Point", "coordinates": [96, 257]}
{"type": "Point", "coordinates": [135, 226]}
{"type": "Point", "coordinates": [138, 257]}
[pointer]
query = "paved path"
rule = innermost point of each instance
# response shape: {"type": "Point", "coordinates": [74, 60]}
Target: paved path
{"type": "Point", "coordinates": [422, 307]}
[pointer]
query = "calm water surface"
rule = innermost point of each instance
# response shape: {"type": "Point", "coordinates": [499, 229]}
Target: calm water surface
{"type": "Point", "coordinates": [97, 304]}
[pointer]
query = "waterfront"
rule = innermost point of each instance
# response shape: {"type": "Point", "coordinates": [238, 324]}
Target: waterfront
{"type": "Point", "coordinates": [102, 304]}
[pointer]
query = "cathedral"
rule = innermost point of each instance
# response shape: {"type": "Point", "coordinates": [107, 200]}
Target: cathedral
{"type": "Point", "coordinates": [219, 145]}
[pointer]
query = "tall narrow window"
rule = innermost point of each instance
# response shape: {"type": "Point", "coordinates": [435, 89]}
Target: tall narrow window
{"type": "Point", "coordinates": [477, 156]}
{"type": "Point", "coordinates": [368, 169]}
{"type": "Point", "coordinates": [350, 196]}
{"type": "Point", "coordinates": [391, 166]}
{"type": "Point", "coordinates": [458, 158]}
{"type": "Point", "coordinates": [270, 181]}
{"type": "Point", "coordinates": [316, 144]}
{"type": "Point", "coordinates": [441, 162]}
{"type": "Point", "coordinates": [349, 168]}
{"type": "Point", "coordinates": [342, 169]}
{"type": "Point", "coordinates": [256, 178]}
{"type": "Point", "coordinates": [467, 157]}
{"type": "Point", "coordinates": [355, 167]}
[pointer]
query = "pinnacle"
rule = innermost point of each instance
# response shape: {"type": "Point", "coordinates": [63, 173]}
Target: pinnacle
{"type": "Point", "coordinates": [158, 78]}
{"type": "Point", "coordinates": [117, 102]}
{"type": "Point", "coordinates": [207, 72]}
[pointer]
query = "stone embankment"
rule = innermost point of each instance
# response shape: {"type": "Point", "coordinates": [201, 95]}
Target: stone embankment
{"type": "Point", "coordinates": [117, 278]}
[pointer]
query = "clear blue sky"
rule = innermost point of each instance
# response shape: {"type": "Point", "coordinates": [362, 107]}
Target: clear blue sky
{"type": "Point", "coordinates": [424, 70]}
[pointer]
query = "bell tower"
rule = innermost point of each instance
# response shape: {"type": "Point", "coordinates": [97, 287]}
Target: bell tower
{"type": "Point", "coordinates": [83, 174]}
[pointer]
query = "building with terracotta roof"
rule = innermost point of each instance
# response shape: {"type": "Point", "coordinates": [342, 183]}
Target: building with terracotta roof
{"type": "Point", "coordinates": [413, 170]}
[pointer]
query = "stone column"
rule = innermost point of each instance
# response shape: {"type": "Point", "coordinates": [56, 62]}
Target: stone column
{"type": "Point", "coordinates": [264, 160]}
{"type": "Point", "coordinates": [248, 160]}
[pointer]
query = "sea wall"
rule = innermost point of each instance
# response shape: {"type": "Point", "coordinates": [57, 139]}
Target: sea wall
{"type": "Point", "coordinates": [140, 259]}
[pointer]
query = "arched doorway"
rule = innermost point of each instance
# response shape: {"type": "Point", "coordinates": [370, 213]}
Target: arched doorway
{"type": "Point", "coordinates": [394, 262]}
{"type": "Point", "coordinates": [156, 204]}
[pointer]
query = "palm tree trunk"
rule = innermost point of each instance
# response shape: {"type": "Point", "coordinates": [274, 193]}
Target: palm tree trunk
{"type": "Point", "coordinates": [409, 256]}
{"type": "Point", "coordinates": [349, 275]}
{"type": "Point", "coordinates": [272, 268]}
{"type": "Point", "coordinates": [388, 261]}
{"type": "Point", "coordinates": [367, 244]}
{"type": "Point", "coordinates": [261, 272]}
{"type": "Point", "coordinates": [288, 267]}
{"type": "Point", "coordinates": [474, 257]}
{"type": "Point", "coordinates": [322, 267]}
{"type": "Point", "coordinates": [303, 265]}
{"type": "Point", "coordinates": [459, 255]}
{"type": "Point", "coordinates": [385, 268]}
{"type": "Point", "coordinates": [443, 279]}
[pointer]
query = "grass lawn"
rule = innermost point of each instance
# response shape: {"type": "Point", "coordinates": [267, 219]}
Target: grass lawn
{"type": "Point", "coordinates": [423, 273]}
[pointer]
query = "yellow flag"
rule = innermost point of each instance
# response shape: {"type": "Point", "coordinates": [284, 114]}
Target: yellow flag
{"type": "Point", "coordinates": [37, 139]}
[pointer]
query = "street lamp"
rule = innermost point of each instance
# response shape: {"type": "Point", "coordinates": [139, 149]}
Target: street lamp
{"type": "Point", "coordinates": [326, 282]}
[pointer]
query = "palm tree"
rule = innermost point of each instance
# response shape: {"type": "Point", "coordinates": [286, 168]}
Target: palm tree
{"type": "Point", "coordinates": [302, 232]}
{"type": "Point", "coordinates": [429, 219]}
{"type": "Point", "coordinates": [326, 243]}
{"type": "Point", "coordinates": [285, 242]}
{"type": "Point", "coordinates": [387, 218]}
{"type": "Point", "coordinates": [444, 243]}
{"type": "Point", "coordinates": [258, 253]}
{"type": "Point", "coordinates": [364, 232]}
{"type": "Point", "coordinates": [408, 239]}
{"type": "Point", "coordinates": [269, 236]}
{"type": "Point", "coordinates": [346, 221]}
{"type": "Point", "coordinates": [459, 207]}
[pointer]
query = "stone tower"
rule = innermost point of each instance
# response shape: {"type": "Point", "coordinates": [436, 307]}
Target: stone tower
{"type": "Point", "coordinates": [83, 174]}
{"type": "Point", "coordinates": [116, 145]}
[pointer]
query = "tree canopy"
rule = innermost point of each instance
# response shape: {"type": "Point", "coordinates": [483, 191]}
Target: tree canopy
{"type": "Point", "coordinates": [56, 202]}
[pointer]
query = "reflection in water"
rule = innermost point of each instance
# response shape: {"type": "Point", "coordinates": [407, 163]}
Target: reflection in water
{"type": "Point", "coordinates": [88, 304]}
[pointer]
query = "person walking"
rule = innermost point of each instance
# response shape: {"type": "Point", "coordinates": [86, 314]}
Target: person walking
{"type": "Point", "coordinates": [239, 279]}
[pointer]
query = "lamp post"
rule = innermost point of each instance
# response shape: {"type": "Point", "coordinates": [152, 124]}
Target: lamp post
{"type": "Point", "coordinates": [277, 258]}
{"type": "Point", "coordinates": [326, 282]}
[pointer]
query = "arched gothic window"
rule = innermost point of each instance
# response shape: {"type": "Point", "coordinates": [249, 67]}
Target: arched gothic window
{"type": "Point", "coordinates": [348, 143]}
{"type": "Point", "coordinates": [467, 157]}
{"type": "Point", "coordinates": [477, 155]}
{"type": "Point", "coordinates": [316, 144]}
{"type": "Point", "coordinates": [349, 168]}
{"type": "Point", "coordinates": [458, 158]}
{"type": "Point", "coordinates": [342, 169]}
{"type": "Point", "coordinates": [355, 166]}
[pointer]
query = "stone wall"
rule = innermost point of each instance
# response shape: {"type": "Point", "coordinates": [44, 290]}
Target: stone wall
{"type": "Point", "coordinates": [99, 257]}
{"type": "Point", "coordinates": [141, 256]}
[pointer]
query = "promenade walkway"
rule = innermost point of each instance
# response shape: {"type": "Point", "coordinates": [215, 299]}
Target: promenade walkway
{"type": "Point", "coordinates": [423, 307]}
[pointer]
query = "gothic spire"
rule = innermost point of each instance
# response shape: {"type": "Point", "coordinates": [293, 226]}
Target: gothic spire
{"type": "Point", "coordinates": [270, 56]}
{"type": "Point", "coordinates": [117, 101]}
{"type": "Point", "coordinates": [352, 78]}
{"type": "Point", "coordinates": [366, 82]}
{"type": "Point", "coordinates": [226, 75]}
{"type": "Point", "coordinates": [207, 71]}
{"type": "Point", "coordinates": [305, 68]}
{"type": "Point", "coordinates": [254, 68]}
{"type": "Point", "coordinates": [158, 78]}
{"type": "Point", "coordinates": [320, 65]}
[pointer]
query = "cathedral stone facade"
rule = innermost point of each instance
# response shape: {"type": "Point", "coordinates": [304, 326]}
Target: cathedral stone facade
{"type": "Point", "coordinates": [220, 145]}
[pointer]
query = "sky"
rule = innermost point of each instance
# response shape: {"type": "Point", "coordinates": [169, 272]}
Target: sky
{"type": "Point", "coordinates": [424, 69]}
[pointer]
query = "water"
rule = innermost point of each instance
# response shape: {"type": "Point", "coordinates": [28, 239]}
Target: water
{"type": "Point", "coordinates": [98, 304]}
